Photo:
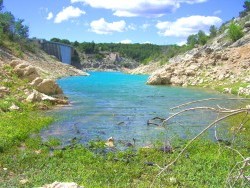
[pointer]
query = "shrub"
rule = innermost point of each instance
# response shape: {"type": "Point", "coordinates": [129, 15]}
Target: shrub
{"type": "Point", "coordinates": [235, 32]}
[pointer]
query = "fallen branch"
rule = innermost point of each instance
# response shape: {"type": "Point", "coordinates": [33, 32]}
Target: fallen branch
{"type": "Point", "coordinates": [209, 99]}
{"type": "Point", "coordinates": [202, 108]}
{"type": "Point", "coordinates": [191, 141]}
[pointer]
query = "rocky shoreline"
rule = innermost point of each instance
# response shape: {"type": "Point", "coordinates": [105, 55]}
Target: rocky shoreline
{"type": "Point", "coordinates": [40, 71]}
{"type": "Point", "coordinates": [207, 67]}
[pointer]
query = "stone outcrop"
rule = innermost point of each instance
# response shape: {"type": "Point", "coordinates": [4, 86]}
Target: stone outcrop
{"type": "Point", "coordinates": [36, 96]}
{"type": "Point", "coordinates": [49, 87]}
{"type": "Point", "coordinates": [207, 67]}
{"type": "Point", "coordinates": [46, 66]}
{"type": "Point", "coordinates": [108, 61]}
{"type": "Point", "coordinates": [145, 69]}
{"type": "Point", "coordinates": [26, 71]}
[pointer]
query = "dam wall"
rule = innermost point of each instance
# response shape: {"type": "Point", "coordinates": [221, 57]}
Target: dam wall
{"type": "Point", "coordinates": [63, 52]}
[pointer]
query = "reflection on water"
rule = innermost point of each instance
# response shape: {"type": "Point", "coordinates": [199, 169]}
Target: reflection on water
{"type": "Point", "coordinates": [114, 104]}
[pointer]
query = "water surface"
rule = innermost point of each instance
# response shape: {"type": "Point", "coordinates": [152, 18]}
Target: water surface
{"type": "Point", "coordinates": [107, 104]}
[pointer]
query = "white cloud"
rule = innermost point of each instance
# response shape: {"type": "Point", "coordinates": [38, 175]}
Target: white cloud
{"type": "Point", "coordinates": [186, 26]}
{"type": "Point", "coordinates": [67, 13]}
{"type": "Point", "coordinates": [147, 42]}
{"type": "Point", "coordinates": [126, 41]}
{"type": "Point", "coordinates": [50, 16]}
{"type": "Point", "coordinates": [132, 8]}
{"type": "Point", "coordinates": [132, 27]}
{"type": "Point", "coordinates": [217, 12]}
{"type": "Point", "coordinates": [102, 27]}
{"type": "Point", "coordinates": [145, 26]}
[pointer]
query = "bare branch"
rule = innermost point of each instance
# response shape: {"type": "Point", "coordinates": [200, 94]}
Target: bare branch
{"type": "Point", "coordinates": [191, 141]}
{"type": "Point", "coordinates": [200, 108]}
{"type": "Point", "coordinates": [209, 99]}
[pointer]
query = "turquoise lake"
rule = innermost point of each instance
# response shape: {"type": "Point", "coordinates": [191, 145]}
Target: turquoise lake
{"type": "Point", "coordinates": [107, 104]}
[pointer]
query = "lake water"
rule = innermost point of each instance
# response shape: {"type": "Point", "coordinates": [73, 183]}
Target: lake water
{"type": "Point", "coordinates": [107, 104]}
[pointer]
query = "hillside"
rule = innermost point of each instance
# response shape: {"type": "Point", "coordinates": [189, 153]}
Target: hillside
{"type": "Point", "coordinates": [221, 64]}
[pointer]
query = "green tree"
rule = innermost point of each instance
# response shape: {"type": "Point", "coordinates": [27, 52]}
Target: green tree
{"type": "Point", "coordinates": [21, 30]}
{"type": "Point", "coordinates": [192, 40]}
{"type": "Point", "coordinates": [247, 6]}
{"type": "Point", "coordinates": [235, 31]}
{"type": "Point", "coordinates": [1, 5]}
{"type": "Point", "coordinates": [7, 22]}
{"type": "Point", "coordinates": [202, 37]}
{"type": "Point", "coordinates": [213, 31]}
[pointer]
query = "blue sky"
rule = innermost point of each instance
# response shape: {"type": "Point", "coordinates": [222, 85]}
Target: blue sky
{"type": "Point", "coordinates": [126, 21]}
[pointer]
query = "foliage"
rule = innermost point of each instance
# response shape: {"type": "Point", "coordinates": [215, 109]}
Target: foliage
{"type": "Point", "coordinates": [247, 6]}
{"type": "Point", "coordinates": [202, 38]}
{"type": "Point", "coordinates": [235, 31]}
{"type": "Point", "coordinates": [13, 33]}
{"type": "Point", "coordinates": [192, 40]}
{"type": "Point", "coordinates": [1, 5]}
{"type": "Point", "coordinates": [21, 30]}
{"type": "Point", "coordinates": [213, 31]}
{"type": "Point", "coordinates": [64, 41]}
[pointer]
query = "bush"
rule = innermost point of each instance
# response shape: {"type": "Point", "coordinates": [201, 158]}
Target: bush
{"type": "Point", "coordinates": [235, 32]}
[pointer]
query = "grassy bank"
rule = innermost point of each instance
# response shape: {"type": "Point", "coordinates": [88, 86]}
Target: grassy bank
{"type": "Point", "coordinates": [204, 164]}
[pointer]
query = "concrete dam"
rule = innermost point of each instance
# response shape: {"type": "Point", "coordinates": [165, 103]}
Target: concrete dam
{"type": "Point", "coordinates": [63, 52]}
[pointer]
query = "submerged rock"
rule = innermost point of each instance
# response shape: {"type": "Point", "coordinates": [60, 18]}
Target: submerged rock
{"type": "Point", "coordinates": [110, 142]}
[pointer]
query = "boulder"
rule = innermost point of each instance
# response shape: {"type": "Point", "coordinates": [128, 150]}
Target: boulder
{"type": "Point", "coordinates": [36, 96]}
{"type": "Point", "coordinates": [62, 185]}
{"type": "Point", "coordinates": [13, 107]}
{"type": "Point", "coordinates": [16, 62]}
{"type": "Point", "coordinates": [155, 79]}
{"type": "Point", "coordinates": [4, 90]}
{"type": "Point", "coordinates": [165, 79]}
{"type": "Point", "coordinates": [247, 24]}
{"type": "Point", "coordinates": [176, 80]}
{"type": "Point", "coordinates": [30, 73]}
{"type": "Point", "coordinates": [26, 71]}
{"type": "Point", "coordinates": [110, 142]}
{"type": "Point", "coordinates": [49, 87]}
{"type": "Point", "coordinates": [36, 81]}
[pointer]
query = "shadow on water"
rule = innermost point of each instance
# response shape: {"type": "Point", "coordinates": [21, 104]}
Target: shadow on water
{"type": "Point", "coordinates": [114, 104]}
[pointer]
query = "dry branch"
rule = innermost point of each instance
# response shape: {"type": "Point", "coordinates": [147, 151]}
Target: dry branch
{"type": "Point", "coordinates": [209, 99]}
{"type": "Point", "coordinates": [197, 136]}
{"type": "Point", "coordinates": [202, 108]}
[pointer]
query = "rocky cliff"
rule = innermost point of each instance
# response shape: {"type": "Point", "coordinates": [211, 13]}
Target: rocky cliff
{"type": "Point", "coordinates": [221, 65]}
{"type": "Point", "coordinates": [107, 61]}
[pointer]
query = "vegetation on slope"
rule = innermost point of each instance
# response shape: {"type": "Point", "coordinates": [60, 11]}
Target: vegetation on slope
{"type": "Point", "coordinates": [13, 33]}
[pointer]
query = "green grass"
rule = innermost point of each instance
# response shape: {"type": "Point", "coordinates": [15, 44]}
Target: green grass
{"type": "Point", "coordinates": [205, 164]}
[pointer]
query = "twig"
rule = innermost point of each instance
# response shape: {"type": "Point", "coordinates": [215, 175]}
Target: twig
{"type": "Point", "coordinates": [200, 108]}
{"type": "Point", "coordinates": [191, 141]}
